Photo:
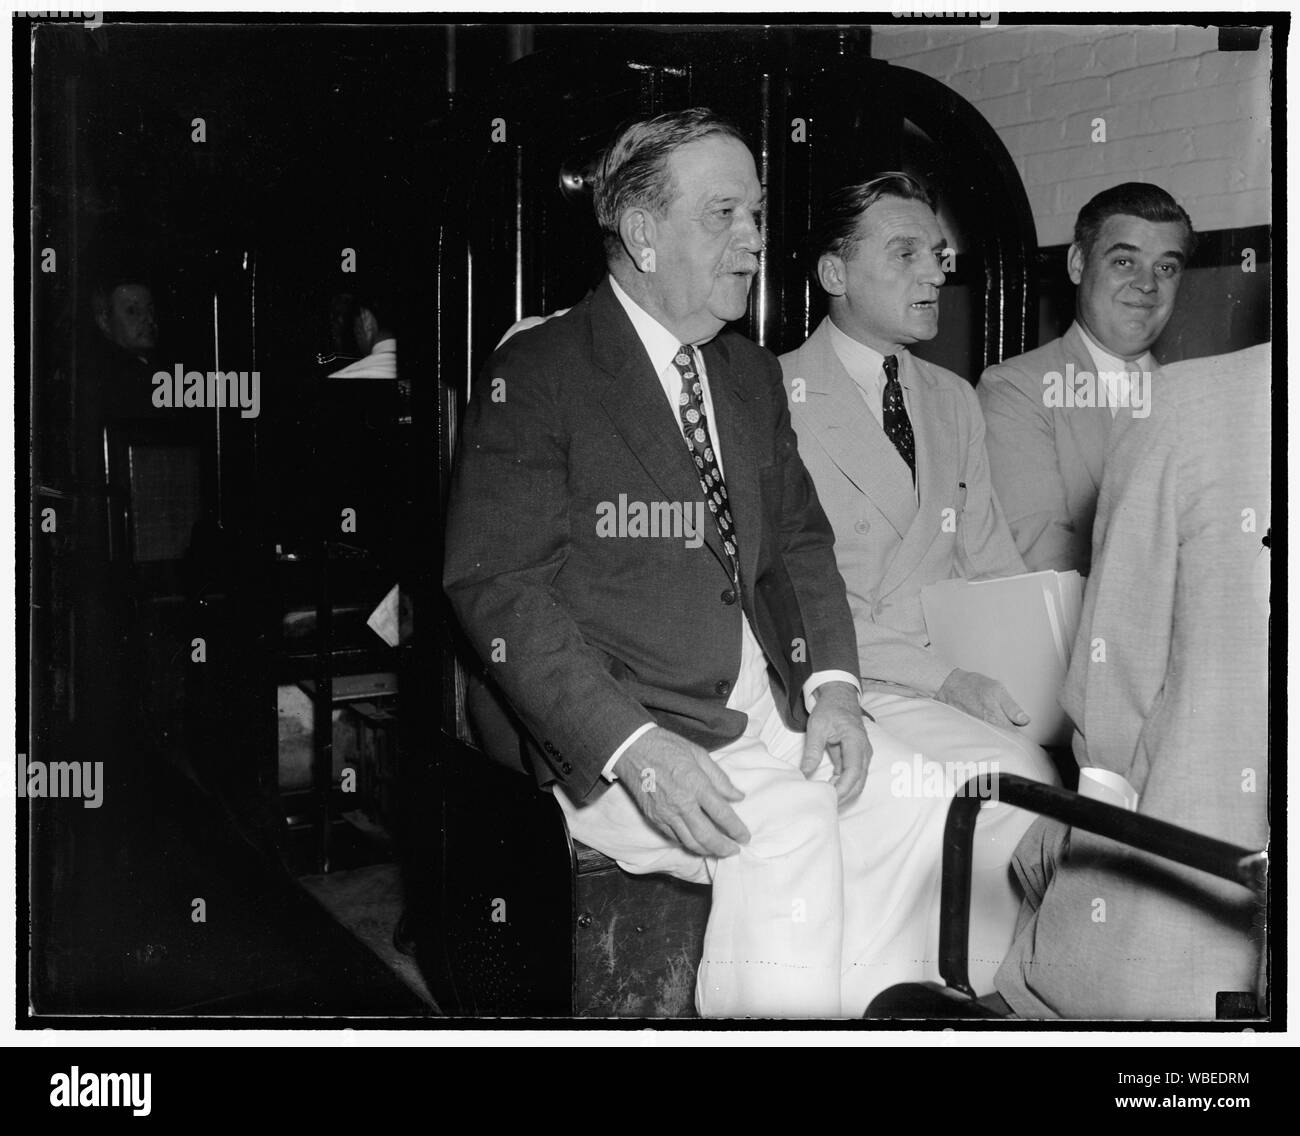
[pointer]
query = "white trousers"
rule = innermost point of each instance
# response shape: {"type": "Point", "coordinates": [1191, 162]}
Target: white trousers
{"type": "Point", "coordinates": [957, 744]}
{"type": "Point", "coordinates": [826, 907]}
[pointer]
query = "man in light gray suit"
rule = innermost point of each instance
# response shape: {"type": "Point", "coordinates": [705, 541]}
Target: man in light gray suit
{"type": "Point", "coordinates": [1168, 688]}
{"type": "Point", "coordinates": [1049, 412]}
{"type": "Point", "coordinates": [895, 447]}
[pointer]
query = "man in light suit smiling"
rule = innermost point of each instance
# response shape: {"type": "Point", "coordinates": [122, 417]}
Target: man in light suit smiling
{"type": "Point", "coordinates": [895, 447]}
{"type": "Point", "coordinates": [1050, 411]}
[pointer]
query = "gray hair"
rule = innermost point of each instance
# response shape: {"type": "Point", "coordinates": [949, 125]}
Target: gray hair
{"type": "Point", "coordinates": [633, 171]}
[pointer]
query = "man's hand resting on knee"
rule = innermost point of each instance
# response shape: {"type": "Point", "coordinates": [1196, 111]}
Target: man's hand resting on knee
{"type": "Point", "coordinates": [835, 728]}
{"type": "Point", "coordinates": [683, 793]}
{"type": "Point", "coordinates": [981, 697]}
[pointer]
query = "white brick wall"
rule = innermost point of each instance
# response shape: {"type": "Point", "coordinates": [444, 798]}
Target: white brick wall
{"type": "Point", "coordinates": [1178, 112]}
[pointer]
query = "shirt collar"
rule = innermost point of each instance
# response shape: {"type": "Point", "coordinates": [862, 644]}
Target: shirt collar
{"type": "Point", "coordinates": [1104, 361]}
{"type": "Point", "coordinates": [660, 343]}
{"type": "Point", "coordinates": [863, 363]}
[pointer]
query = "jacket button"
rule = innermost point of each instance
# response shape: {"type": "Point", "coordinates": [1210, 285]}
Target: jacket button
{"type": "Point", "coordinates": [729, 596]}
{"type": "Point", "coordinates": [566, 767]}
{"type": "Point", "coordinates": [723, 687]}
{"type": "Point", "coordinates": [862, 527]}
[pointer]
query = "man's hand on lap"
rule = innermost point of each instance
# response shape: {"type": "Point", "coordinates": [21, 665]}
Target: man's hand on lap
{"type": "Point", "coordinates": [835, 728]}
{"type": "Point", "coordinates": [683, 793]}
{"type": "Point", "coordinates": [981, 697]}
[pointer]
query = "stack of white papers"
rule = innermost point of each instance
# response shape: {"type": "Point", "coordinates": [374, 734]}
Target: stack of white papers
{"type": "Point", "coordinates": [1016, 629]}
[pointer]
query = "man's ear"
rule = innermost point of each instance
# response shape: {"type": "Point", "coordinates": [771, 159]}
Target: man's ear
{"type": "Point", "coordinates": [369, 325]}
{"type": "Point", "coordinates": [637, 229]}
{"type": "Point", "coordinates": [1074, 263]}
{"type": "Point", "coordinates": [831, 274]}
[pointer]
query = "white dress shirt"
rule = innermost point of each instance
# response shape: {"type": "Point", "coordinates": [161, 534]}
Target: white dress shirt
{"type": "Point", "coordinates": [1113, 372]}
{"type": "Point", "coordinates": [661, 346]}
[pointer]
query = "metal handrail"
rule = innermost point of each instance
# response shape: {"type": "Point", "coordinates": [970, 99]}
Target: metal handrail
{"type": "Point", "coordinates": [1217, 857]}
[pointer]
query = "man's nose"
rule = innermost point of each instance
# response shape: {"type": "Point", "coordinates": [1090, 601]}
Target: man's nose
{"type": "Point", "coordinates": [932, 272]}
{"type": "Point", "coordinates": [749, 236]}
{"type": "Point", "coordinates": [1144, 280]}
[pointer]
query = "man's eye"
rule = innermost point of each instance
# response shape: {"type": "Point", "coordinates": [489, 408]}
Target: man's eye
{"type": "Point", "coordinates": [1168, 269]}
{"type": "Point", "coordinates": [1121, 262]}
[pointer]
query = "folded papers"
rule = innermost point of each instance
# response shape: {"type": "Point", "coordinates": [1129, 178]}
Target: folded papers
{"type": "Point", "coordinates": [1016, 629]}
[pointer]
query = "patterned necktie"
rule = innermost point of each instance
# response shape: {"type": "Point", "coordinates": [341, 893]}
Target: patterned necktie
{"type": "Point", "coordinates": [695, 428]}
{"type": "Point", "coordinates": [897, 425]}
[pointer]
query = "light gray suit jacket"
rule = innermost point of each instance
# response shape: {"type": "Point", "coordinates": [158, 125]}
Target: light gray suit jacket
{"type": "Point", "coordinates": [887, 547]}
{"type": "Point", "coordinates": [1168, 684]}
{"type": "Point", "coordinates": [1046, 460]}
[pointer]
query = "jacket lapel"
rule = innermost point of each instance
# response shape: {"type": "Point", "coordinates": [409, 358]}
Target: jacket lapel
{"type": "Point", "coordinates": [843, 424]}
{"type": "Point", "coordinates": [1090, 425]}
{"type": "Point", "coordinates": [938, 461]}
{"type": "Point", "coordinates": [635, 404]}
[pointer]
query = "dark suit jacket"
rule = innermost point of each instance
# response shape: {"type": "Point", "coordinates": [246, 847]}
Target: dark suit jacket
{"type": "Point", "coordinates": [591, 636]}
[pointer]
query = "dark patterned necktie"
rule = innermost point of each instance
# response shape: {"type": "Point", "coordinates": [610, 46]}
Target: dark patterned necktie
{"type": "Point", "coordinates": [897, 425]}
{"type": "Point", "coordinates": [695, 428]}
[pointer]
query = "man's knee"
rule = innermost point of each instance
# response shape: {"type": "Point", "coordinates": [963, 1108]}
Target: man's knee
{"type": "Point", "coordinates": [1005, 749]}
{"type": "Point", "coordinates": [791, 817]}
{"type": "Point", "coordinates": [1036, 855]}
{"type": "Point", "coordinates": [1020, 756]}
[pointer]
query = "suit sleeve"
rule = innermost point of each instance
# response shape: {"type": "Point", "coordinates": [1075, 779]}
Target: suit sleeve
{"type": "Point", "coordinates": [986, 547]}
{"type": "Point", "coordinates": [808, 547]}
{"type": "Point", "coordinates": [1021, 442]}
{"type": "Point", "coordinates": [506, 540]}
{"type": "Point", "coordinates": [1118, 663]}
{"type": "Point", "coordinates": [889, 656]}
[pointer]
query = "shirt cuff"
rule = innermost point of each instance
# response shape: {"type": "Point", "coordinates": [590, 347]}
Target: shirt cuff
{"type": "Point", "coordinates": [608, 771]}
{"type": "Point", "coordinates": [810, 699]}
